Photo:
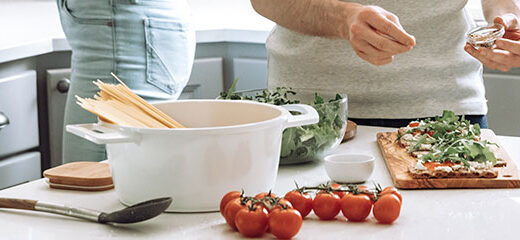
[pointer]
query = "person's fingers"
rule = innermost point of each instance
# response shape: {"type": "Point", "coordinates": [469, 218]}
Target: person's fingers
{"type": "Point", "coordinates": [509, 21]}
{"type": "Point", "coordinates": [485, 61]}
{"type": "Point", "coordinates": [373, 61]}
{"type": "Point", "coordinates": [379, 41]}
{"type": "Point", "coordinates": [392, 17]}
{"type": "Point", "coordinates": [368, 49]}
{"type": "Point", "coordinates": [382, 61]}
{"type": "Point", "coordinates": [473, 52]}
{"type": "Point", "coordinates": [509, 45]}
{"type": "Point", "coordinates": [362, 55]}
{"type": "Point", "coordinates": [384, 25]}
{"type": "Point", "coordinates": [501, 56]}
{"type": "Point", "coordinates": [512, 34]}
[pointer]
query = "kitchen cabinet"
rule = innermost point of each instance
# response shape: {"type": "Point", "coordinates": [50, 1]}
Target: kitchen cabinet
{"type": "Point", "coordinates": [247, 61]}
{"type": "Point", "coordinates": [250, 72]}
{"type": "Point", "coordinates": [18, 105]}
{"type": "Point", "coordinates": [503, 103]}
{"type": "Point", "coordinates": [206, 79]}
{"type": "Point", "coordinates": [19, 169]}
{"type": "Point", "coordinates": [57, 88]}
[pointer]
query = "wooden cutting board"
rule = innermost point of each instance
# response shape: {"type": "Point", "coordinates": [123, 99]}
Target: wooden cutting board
{"type": "Point", "coordinates": [398, 161]}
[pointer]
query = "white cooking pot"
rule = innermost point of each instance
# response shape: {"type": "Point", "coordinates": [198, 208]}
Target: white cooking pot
{"type": "Point", "coordinates": [226, 146]}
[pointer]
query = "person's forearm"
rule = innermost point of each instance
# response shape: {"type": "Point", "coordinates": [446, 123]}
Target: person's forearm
{"type": "Point", "coordinates": [327, 18]}
{"type": "Point", "coordinates": [494, 8]}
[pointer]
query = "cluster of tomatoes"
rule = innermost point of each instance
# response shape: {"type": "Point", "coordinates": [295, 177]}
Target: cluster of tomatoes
{"type": "Point", "coordinates": [355, 202]}
{"type": "Point", "coordinates": [253, 216]}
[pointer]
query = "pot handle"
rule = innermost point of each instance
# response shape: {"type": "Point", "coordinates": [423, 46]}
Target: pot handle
{"type": "Point", "coordinates": [98, 134]}
{"type": "Point", "coordinates": [308, 115]}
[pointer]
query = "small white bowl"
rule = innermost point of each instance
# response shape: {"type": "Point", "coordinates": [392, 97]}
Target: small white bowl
{"type": "Point", "coordinates": [349, 168]}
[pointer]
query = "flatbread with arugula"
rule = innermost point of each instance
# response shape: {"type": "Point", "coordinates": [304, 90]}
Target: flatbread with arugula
{"type": "Point", "coordinates": [448, 147]}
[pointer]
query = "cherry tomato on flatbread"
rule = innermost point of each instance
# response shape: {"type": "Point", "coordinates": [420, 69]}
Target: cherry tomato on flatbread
{"type": "Point", "coordinates": [300, 201]}
{"type": "Point", "coordinates": [392, 190]}
{"type": "Point", "coordinates": [231, 210]}
{"type": "Point", "coordinates": [285, 223]}
{"type": "Point", "coordinates": [252, 223]}
{"type": "Point", "coordinates": [326, 205]}
{"type": "Point", "coordinates": [431, 133]}
{"type": "Point", "coordinates": [387, 208]}
{"type": "Point", "coordinates": [414, 124]}
{"type": "Point", "coordinates": [356, 207]}
{"type": "Point", "coordinates": [337, 186]}
{"type": "Point", "coordinates": [228, 197]}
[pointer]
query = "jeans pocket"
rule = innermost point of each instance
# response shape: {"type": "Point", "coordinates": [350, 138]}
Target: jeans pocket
{"type": "Point", "coordinates": [96, 18]}
{"type": "Point", "coordinates": [170, 49]}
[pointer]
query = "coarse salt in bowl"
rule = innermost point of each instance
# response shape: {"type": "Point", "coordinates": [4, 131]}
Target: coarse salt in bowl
{"type": "Point", "coordinates": [485, 36]}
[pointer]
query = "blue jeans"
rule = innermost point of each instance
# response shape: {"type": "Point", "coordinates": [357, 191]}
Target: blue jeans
{"type": "Point", "coordinates": [149, 44]}
{"type": "Point", "coordinates": [480, 119]}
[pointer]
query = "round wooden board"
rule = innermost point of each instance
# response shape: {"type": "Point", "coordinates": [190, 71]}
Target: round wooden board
{"type": "Point", "coordinates": [81, 174]}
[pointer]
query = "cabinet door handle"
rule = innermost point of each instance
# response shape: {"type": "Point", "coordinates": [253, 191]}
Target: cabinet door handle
{"type": "Point", "coordinates": [4, 121]}
{"type": "Point", "coordinates": [63, 85]}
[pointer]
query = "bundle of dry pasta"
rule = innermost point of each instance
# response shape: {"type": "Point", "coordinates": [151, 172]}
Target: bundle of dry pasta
{"type": "Point", "coordinates": [117, 104]}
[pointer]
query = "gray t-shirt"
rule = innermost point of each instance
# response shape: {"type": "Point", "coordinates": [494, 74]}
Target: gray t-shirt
{"type": "Point", "coordinates": [436, 75]}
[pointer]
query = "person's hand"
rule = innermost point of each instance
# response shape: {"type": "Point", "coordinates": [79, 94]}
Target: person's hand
{"type": "Point", "coordinates": [376, 34]}
{"type": "Point", "coordinates": [507, 51]}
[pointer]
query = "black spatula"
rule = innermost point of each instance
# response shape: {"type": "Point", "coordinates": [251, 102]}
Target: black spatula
{"type": "Point", "coordinates": [135, 213]}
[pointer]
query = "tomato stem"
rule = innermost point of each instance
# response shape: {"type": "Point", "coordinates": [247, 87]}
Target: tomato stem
{"type": "Point", "coordinates": [328, 188]}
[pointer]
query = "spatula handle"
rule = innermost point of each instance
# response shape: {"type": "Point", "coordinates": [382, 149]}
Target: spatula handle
{"type": "Point", "coordinates": [61, 209]}
{"type": "Point", "coordinates": [17, 203]}
{"type": "Point", "coordinates": [50, 208]}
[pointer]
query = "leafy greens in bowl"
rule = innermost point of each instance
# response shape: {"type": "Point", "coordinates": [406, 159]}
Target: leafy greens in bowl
{"type": "Point", "coordinates": [304, 143]}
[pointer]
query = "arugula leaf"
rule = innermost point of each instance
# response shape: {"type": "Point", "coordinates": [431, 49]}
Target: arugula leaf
{"type": "Point", "coordinates": [231, 90]}
{"type": "Point", "coordinates": [417, 144]}
{"type": "Point", "coordinates": [449, 116]}
{"type": "Point", "coordinates": [318, 99]}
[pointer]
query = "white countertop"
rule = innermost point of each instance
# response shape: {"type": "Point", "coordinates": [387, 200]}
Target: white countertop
{"type": "Point", "coordinates": [426, 214]}
{"type": "Point", "coordinates": [32, 27]}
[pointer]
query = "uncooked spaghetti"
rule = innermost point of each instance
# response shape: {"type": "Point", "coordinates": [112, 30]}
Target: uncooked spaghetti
{"type": "Point", "coordinates": [117, 104]}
